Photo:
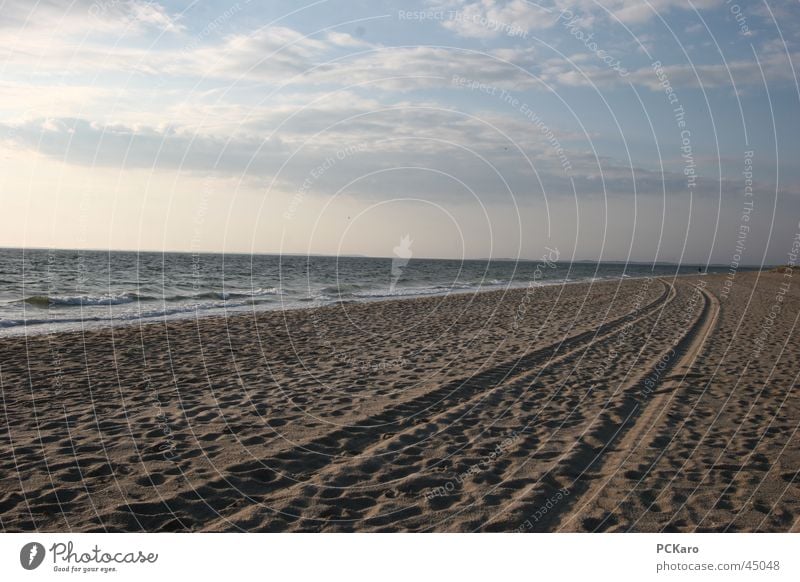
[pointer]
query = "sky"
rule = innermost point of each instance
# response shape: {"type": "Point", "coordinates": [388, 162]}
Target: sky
{"type": "Point", "coordinates": [660, 130]}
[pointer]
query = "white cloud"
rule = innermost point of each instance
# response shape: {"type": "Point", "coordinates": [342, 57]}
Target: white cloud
{"type": "Point", "coordinates": [20, 100]}
{"type": "Point", "coordinates": [145, 14]}
{"type": "Point", "coordinates": [79, 18]}
{"type": "Point", "coordinates": [638, 11]}
{"type": "Point", "coordinates": [745, 73]}
{"type": "Point", "coordinates": [61, 38]}
{"type": "Point", "coordinates": [494, 18]}
{"type": "Point", "coordinates": [346, 40]}
{"type": "Point", "coordinates": [489, 18]}
{"type": "Point", "coordinates": [287, 144]}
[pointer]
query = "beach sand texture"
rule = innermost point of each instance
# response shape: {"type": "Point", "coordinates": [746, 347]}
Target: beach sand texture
{"type": "Point", "coordinates": [636, 405]}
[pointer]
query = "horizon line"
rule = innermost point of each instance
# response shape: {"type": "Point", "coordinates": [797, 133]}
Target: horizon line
{"type": "Point", "coordinates": [360, 256]}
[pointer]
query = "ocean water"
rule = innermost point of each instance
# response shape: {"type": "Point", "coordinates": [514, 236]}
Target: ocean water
{"type": "Point", "coordinates": [45, 291]}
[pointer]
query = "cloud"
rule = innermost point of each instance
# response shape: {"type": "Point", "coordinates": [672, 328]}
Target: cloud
{"type": "Point", "coordinates": [346, 40]}
{"type": "Point", "coordinates": [285, 57]}
{"type": "Point", "coordinates": [411, 68]}
{"type": "Point", "coordinates": [79, 18]}
{"type": "Point", "coordinates": [250, 100]}
{"type": "Point", "coordinates": [639, 11]}
{"type": "Point", "coordinates": [24, 100]}
{"type": "Point", "coordinates": [776, 69]}
{"type": "Point", "coordinates": [141, 14]}
{"type": "Point", "coordinates": [744, 73]}
{"type": "Point", "coordinates": [484, 19]}
{"type": "Point", "coordinates": [489, 18]}
{"type": "Point", "coordinates": [369, 153]}
{"type": "Point", "coordinates": [89, 143]}
{"type": "Point", "coordinates": [281, 55]}
{"type": "Point", "coordinates": [267, 53]}
{"type": "Point", "coordinates": [65, 38]}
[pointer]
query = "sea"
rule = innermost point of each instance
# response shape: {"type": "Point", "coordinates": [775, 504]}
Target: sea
{"type": "Point", "coordinates": [46, 291]}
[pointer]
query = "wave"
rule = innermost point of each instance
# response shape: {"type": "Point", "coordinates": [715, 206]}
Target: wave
{"type": "Point", "coordinates": [76, 300]}
{"type": "Point", "coordinates": [341, 290]}
{"type": "Point", "coordinates": [445, 289]}
{"type": "Point", "coordinates": [225, 295]}
{"type": "Point", "coordinates": [412, 291]}
{"type": "Point", "coordinates": [210, 303]}
{"type": "Point", "coordinates": [127, 317]}
{"type": "Point", "coordinates": [43, 301]}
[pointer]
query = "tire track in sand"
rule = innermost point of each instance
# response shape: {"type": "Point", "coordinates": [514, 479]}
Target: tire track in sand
{"type": "Point", "coordinates": [582, 468]}
{"type": "Point", "coordinates": [480, 386]}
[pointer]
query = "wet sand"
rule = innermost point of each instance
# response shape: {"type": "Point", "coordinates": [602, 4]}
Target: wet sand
{"type": "Point", "coordinates": [640, 405]}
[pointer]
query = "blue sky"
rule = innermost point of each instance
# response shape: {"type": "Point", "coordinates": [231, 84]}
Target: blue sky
{"type": "Point", "coordinates": [610, 129]}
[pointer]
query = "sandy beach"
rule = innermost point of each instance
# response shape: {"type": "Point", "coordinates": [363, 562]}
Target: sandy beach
{"type": "Point", "coordinates": [637, 405]}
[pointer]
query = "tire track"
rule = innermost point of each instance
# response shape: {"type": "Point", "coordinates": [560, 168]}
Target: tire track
{"type": "Point", "coordinates": [652, 412]}
{"type": "Point", "coordinates": [610, 441]}
{"type": "Point", "coordinates": [363, 439]}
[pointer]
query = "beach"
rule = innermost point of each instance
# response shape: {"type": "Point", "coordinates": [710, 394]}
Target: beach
{"type": "Point", "coordinates": [642, 404]}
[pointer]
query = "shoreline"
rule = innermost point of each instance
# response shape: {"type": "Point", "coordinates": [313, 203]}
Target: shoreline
{"type": "Point", "coordinates": [39, 328]}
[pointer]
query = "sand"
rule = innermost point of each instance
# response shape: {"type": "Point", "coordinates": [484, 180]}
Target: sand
{"type": "Point", "coordinates": [641, 405]}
